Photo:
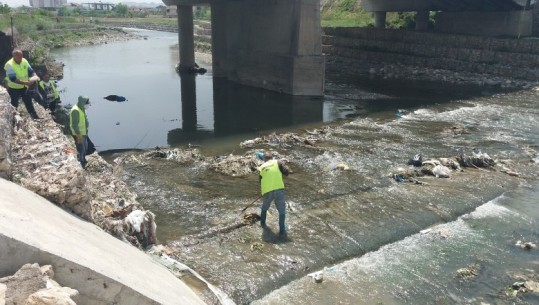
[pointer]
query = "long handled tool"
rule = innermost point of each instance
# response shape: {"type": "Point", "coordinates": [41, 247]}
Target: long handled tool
{"type": "Point", "coordinates": [250, 204]}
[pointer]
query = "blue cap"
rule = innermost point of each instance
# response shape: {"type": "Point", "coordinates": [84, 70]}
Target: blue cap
{"type": "Point", "coordinates": [260, 155]}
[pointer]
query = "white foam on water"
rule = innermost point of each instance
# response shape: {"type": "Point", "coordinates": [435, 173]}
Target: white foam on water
{"type": "Point", "coordinates": [372, 274]}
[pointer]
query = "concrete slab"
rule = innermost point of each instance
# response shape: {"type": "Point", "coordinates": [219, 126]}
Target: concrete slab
{"type": "Point", "coordinates": [102, 268]}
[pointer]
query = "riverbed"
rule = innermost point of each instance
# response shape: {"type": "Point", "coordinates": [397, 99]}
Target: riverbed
{"type": "Point", "coordinates": [377, 240]}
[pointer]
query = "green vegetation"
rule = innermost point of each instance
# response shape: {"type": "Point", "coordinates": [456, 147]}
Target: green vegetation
{"type": "Point", "coordinates": [4, 8]}
{"type": "Point", "coordinates": [345, 13]}
{"type": "Point", "coordinates": [348, 13]}
{"type": "Point", "coordinates": [44, 30]}
{"type": "Point", "coordinates": [202, 13]}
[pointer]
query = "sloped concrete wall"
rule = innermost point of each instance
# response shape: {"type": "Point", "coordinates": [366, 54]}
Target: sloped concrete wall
{"type": "Point", "coordinates": [102, 268]}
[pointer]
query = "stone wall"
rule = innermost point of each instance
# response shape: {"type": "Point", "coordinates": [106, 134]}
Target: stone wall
{"type": "Point", "coordinates": [5, 52]}
{"type": "Point", "coordinates": [6, 131]}
{"type": "Point", "coordinates": [512, 58]}
{"type": "Point", "coordinates": [535, 23]}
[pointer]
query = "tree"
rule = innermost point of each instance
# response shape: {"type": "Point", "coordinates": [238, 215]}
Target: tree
{"type": "Point", "coordinates": [62, 11]}
{"type": "Point", "coordinates": [4, 8]}
{"type": "Point", "coordinates": [121, 9]}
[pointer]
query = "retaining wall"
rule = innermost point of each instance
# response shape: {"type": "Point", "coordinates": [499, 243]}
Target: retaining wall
{"type": "Point", "coordinates": [514, 58]}
{"type": "Point", "coordinates": [6, 131]}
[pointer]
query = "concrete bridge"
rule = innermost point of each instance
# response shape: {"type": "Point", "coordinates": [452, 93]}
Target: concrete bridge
{"type": "Point", "coordinates": [274, 44]}
{"type": "Point", "coordinates": [477, 17]}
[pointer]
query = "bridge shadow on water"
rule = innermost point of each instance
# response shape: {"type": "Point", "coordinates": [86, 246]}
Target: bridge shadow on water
{"type": "Point", "coordinates": [240, 109]}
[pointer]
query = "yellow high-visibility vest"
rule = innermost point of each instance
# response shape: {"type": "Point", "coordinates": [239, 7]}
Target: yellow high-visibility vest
{"type": "Point", "coordinates": [21, 72]}
{"type": "Point", "coordinates": [272, 178]}
{"type": "Point", "coordinates": [53, 87]}
{"type": "Point", "coordinates": [82, 121]}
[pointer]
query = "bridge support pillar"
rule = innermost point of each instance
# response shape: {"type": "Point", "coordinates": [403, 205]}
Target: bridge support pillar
{"type": "Point", "coordinates": [186, 38]}
{"type": "Point", "coordinates": [275, 45]}
{"type": "Point", "coordinates": [422, 20]}
{"type": "Point", "coordinates": [380, 20]}
{"type": "Point", "coordinates": [218, 39]}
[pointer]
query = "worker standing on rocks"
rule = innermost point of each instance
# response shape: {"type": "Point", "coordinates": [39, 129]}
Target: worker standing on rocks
{"type": "Point", "coordinates": [78, 123]}
{"type": "Point", "coordinates": [272, 188]}
{"type": "Point", "coordinates": [19, 76]}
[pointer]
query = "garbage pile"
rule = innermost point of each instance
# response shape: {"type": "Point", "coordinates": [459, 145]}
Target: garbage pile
{"type": "Point", "coordinates": [286, 139]}
{"type": "Point", "coordinates": [46, 163]}
{"type": "Point", "coordinates": [441, 167]}
{"type": "Point", "coordinates": [230, 165]}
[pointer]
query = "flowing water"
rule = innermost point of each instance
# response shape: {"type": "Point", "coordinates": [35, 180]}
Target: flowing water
{"type": "Point", "coordinates": [376, 240]}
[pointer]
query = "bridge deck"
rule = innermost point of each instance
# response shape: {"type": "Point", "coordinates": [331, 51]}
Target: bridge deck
{"type": "Point", "coordinates": [443, 5]}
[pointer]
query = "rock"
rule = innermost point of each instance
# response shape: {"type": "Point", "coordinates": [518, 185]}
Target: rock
{"type": "Point", "coordinates": [52, 296]}
{"type": "Point", "coordinates": [342, 166]}
{"type": "Point", "coordinates": [27, 280]}
{"type": "Point", "coordinates": [526, 245]}
{"type": "Point", "coordinates": [3, 289]}
{"type": "Point", "coordinates": [468, 272]}
{"type": "Point", "coordinates": [47, 271]}
{"type": "Point", "coordinates": [532, 286]}
{"type": "Point", "coordinates": [318, 277]}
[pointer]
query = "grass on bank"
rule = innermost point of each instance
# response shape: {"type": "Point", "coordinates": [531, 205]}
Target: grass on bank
{"type": "Point", "coordinates": [45, 32]}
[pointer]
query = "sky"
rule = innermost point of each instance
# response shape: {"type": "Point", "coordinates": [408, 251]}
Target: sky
{"type": "Point", "coordinates": [17, 3]}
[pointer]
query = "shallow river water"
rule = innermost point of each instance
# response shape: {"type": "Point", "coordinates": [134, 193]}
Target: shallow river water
{"type": "Point", "coordinates": [377, 241]}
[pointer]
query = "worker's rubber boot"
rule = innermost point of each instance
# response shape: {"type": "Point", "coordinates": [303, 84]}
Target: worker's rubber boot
{"type": "Point", "coordinates": [263, 218]}
{"type": "Point", "coordinates": [282, 227]}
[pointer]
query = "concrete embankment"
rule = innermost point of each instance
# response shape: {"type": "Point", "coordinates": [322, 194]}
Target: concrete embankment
{"type": "Point", "coordinates": [104, 269]}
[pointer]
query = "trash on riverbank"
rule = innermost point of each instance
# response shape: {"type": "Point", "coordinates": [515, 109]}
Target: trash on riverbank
{"type": "Point", "coordinates": [47, 165]}
{"type": "Point", "coordinates": [442, 167]}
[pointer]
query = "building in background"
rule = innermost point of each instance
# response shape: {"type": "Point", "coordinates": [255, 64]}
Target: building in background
{"type": "Point", "coordinates": [171, 11]}
{"type": "Point", "coordinates": [47, 3]}
{"type": "Point", "coordinates": [98, 6]}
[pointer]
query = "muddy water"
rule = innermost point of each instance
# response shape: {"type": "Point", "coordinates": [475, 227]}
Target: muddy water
{"type": "Point", "coordinates": [342, 216]}
{"type": "Point", "coordinates": [360, 226]}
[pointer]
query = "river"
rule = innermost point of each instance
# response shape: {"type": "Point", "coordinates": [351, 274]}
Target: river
{"type": "Point", "coordinates": [376, 240]}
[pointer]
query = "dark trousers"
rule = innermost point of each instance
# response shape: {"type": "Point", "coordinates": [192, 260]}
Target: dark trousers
{"type": "Point", "coordinates": [85, 148]}
{"type": "Point", "coordinates": [46, 103]}
{"type": "Point", "coordinates": [82, 149]}
{"type": "Point", "coordinates": [16, 94]}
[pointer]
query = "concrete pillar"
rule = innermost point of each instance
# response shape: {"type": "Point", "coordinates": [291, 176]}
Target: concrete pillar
{"type": "Point", "coordinates": [186, 37]}
{"type": "Point", "coordinates": [275, 45]}
{"type": "Point", "coordinates": [218, 38]}
{"type": "Point", "coordinates": [306, 33]}
{"type": "Point", "coordinates": [422, 20]}
{"type": "Point", "coordinates": [380, 20]}
{"type": "Point", "coordinates": [189, 103]}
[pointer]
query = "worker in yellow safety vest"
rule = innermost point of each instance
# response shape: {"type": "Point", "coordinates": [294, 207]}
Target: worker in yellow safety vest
{"type": "Point", "coordinates": [48, 94]}
{"type": "Point", "coordinates": [272, 188]}
{"type": "Point", "coordinates": [20, 76]}
{"type": "Point", "coordinates": [78, 123]}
